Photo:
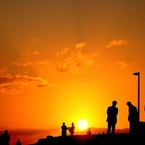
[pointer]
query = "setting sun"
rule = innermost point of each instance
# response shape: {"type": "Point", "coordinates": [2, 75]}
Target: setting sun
{"type": "Point", "coordinates": [82, 124]}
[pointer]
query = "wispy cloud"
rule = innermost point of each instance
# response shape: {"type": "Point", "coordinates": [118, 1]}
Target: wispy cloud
{"type": "Point", "coordinates": [116, 42]}
{"type": "Point", "coordinates": [34, 53]}
{"type": "Point", "coordinates": [122, 64]}
{"type": "Point", "coordinates": [16, 84]}
{"type": "Point", "coordinates": [80, 45]}
{"type": "Point", "coordinates": [26, 63]}
{"type": "Point", "coordinates": [43, 62]}
{"type": "Point", "coordinates": [22, 63]}
{"type": "Point", "coordinates": [62, 52]}
{"type": "Point", "coordinates": [26, 58]}
{"type": "Point", "coordinates": [76, 61]}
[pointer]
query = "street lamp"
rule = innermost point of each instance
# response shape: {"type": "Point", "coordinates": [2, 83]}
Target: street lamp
{"type": "Point", "coordinates": [138, 74]}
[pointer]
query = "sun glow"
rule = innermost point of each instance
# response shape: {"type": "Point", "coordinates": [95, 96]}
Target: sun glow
{"type": "Point", "coordinates": [82, 124]}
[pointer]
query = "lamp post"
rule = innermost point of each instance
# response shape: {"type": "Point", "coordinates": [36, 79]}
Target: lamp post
{"type": "Point", "coordinates": [138, 74]}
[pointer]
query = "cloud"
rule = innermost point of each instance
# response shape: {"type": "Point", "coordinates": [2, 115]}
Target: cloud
{"type": "Point", "coordinates": [34, 53]}
{"type": "Point", "coordinates": [25, 63]}
{"type": "Point", "coordinates": [22, 63]}
{"type": "Point", "coordinates": [122, 64]}
{"type": "Point", "coordinates": [16, 84]}
{"type": "Point", "coordinates": [80, 45]}
{"type": "Point", "coordinates": [117, 43]}
{"type": "Point", "coordinates": [62, 52]}
{"type": "Point", "coordinates": [44, 62]}
{"type": "Point", "coordinates": [76, 61]}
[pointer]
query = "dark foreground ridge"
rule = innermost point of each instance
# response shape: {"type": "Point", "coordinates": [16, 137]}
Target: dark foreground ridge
{"type": "Point", "coordinates": [99, 139]}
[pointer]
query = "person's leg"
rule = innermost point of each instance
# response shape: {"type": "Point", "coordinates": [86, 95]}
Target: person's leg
{"type": "Point", "coordinates": [131, 129]}
{"type": "Point", "coordinates": [109, 128]}
{"type": "Point", "coordinates": [113, 128]}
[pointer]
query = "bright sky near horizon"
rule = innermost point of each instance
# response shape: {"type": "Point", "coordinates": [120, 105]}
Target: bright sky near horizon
{"type": "Point", "coordinates": [64, 60]}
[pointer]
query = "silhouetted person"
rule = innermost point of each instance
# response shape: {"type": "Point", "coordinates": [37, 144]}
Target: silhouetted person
{"type": "Point", "coordinates": [71, 129]}
{"type": "Point", "coordinates": [5, 138]}
{"type": "Point", "coordinates": [63, 129]}
{"type": "Point", "coordinates": [112, 112]}
{"type": "Point", "coordinates": [18, 142]}
{"type": "Point", "coordinates": [89, 132]}
{"type": "Point", "coordinates": [133, 118]}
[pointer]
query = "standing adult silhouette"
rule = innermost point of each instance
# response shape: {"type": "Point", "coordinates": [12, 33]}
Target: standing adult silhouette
{"type": "Point", "coordinates": [133, 118]}
{"type": "Point", "coordinates": [112, 112]}
{"type": "Point", "coordinates": [71, 129]}
{"type": "Point", "coordinates": [5, 138]}
{"type": "Point", "coordinates": [63, 129]}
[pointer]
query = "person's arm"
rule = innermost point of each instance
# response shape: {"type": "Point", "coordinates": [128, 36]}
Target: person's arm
{"type": "Point", "coordinates": [117, 111]}
{"type": "Point", "coordinates": [107, 110]}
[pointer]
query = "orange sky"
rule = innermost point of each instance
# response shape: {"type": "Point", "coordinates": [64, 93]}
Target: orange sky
{"type": "Point", "coordinates": [61, 61]}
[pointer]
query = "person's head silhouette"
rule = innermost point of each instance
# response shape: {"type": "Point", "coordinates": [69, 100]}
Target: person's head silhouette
{"type": "Point", "coordinates": [128, 103]}
{"type": "Point", "coordinates": [114, 103]}
{"type": "Point", "coordinates": [6, 131]}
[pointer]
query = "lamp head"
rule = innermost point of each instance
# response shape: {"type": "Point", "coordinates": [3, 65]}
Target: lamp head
{"type": "Point", "coordinates": [136, 73]}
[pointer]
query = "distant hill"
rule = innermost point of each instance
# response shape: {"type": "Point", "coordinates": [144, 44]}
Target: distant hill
{"type": "Point", "coordinates": [102, 131]}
